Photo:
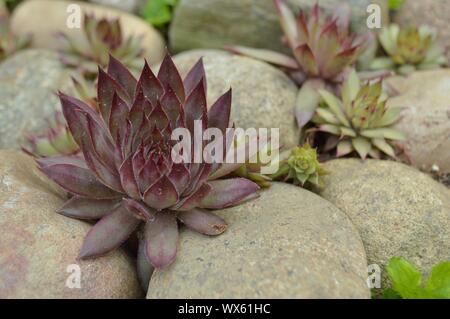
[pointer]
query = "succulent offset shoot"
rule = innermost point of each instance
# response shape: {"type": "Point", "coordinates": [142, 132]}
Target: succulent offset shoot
{"type": "Point", "coordinates": [361, 121]}
{"type": "Point", "coordinates": [301, 166]}
{"type": "Point", "coordinates": [126, 177]}
{"type": "Point", "coordinates": [409, 49]}
{"type": "Point", "coordinates": [56, 140]}
{"type": "Point", "coordinates": [9, 43]}
{"type": "Point", "coordinates": [102, 37]}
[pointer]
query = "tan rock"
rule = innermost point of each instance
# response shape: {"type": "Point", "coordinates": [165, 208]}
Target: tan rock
{"type": "Point", "coordinates": [263, 96]}
{"type": "Point", "coordinates": [37, 245]}
{"type": "Point", "coordinates": [289, 243]}
{"type": "Point", "coordinates": [28, 83]}
{"type": "Point", "coordinates": [44, 18]}
{"type": "Point", "coordinates": [399, 211]}
{"type": "Point", "coordinates": [426, 117]}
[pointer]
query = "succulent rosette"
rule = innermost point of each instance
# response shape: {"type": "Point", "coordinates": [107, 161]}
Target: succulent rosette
{"type": "Point", "coordinates": [55, 140]}
{"type": "Point", "coordinates": [301, 166]}
{"type": "Point", "coordinates": [360, 121]}
{"type": "Point", "coordinates": [408, 49]}
{"type": "Point", "coordinates": [102, 37]}
{"type": "Point", "coordinates": [127, 177]}
{"type": "Point", "coordinates": [323, 48]}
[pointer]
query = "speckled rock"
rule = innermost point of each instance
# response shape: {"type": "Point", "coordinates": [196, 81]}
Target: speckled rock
{"type": "Point", "coordinates": [28, 83]}
{"type": "Point", "coordinates": [289, 243]}
{"type": "Point", "coordinates": [431, 12]}
{"type": "Point", "coordinates": [426, 117]}
{"type": "Point", "coordinates": [37, 245]}
{"type": "Point", "coordinates": [263, 97]}
{"type": "Point", "coordinates": [398, 210]}
{"type": "Point", "coordinates": [254, 23]}
{"type": "Point", "coordinates": [44, 18]}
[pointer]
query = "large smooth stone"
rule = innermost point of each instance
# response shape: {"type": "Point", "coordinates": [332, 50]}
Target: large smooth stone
{"type": "Point", "coordinates": [254, 23]}
{"type": "Point", "coordinates": [37, 245]}
{"type": "Point", "coordinates": [431, 12]}
{"type": "Point", "coordinates": [289, 243]}
{"type": "Point", "coordinates": [43, 18]}
{"type": "Point", "coordinates": [426, 117]}
{"type": "Point", "coordinates": [263, 96]}
{"type": "Point", "coordinates": [29, 81]}
{"type": "Point", "coordinates": [399, 211]}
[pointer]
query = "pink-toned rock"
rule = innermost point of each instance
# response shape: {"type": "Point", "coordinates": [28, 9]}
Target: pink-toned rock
{"type": "Point", "coordinates": [424, 97]}
{"type": "Point", "coordinates": [38, 246]}
{"type": "Point", "coordinates": [44, 18]}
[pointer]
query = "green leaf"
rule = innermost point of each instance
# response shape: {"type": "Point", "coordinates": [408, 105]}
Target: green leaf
{"type": "Point", "coordinates": [158, 12]}
{"type": "Point", "coordinates": [391, 294]}
{"type": "Point", "coordinates": [362, 146]}
{"type": "Point", "coordinates": [395, 4]}
{"type": "Point", "coordinates": [406, 279]}
{"type": "Point", "coordinates": [438, 284]}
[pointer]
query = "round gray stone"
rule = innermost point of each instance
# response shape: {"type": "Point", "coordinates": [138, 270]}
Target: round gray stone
{"type": "Point", "coordinates": [399, 211]}
{"type": "Point", "coordinates": [29, 81]}
{"type": "Point", "coordinates": [289, 243]}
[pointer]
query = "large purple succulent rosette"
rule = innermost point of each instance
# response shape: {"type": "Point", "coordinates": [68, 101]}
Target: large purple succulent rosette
{"type": "Point", "coordinates": [125, 176]}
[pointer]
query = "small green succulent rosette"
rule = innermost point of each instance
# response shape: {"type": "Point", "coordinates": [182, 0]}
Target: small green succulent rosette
{"type": "Point", "coordinates": [408, 49]}
{"type": "Point", "coordinates": [301, 166]}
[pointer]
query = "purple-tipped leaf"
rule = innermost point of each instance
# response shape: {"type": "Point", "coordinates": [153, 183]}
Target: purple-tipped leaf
{"type": "Point", "coordinates": [194, 200]}
{"type": "Point", "coordinates": [128, 180]}
{"type": "Point", "coordinates": [161, 239]}
{"type": "Point", "coordinates": [144, 268]}
{"type": "Point", "coordinates": [150, 85]}
{"type": "Point", "coordinates": [109, 233]}
{"type": "Point", "coordinates": [195, 107]}
{"type": "Point", "coordinates": [170, 78]}
{"type": "Point", "coordinates": [162, 194]}
{"type": "Point", "coordinates": [106, 89]}
{"type": "Point", "coordinates": [219, 114]}
{"type": "Point", "coordinates": [86, 208]}
{"type": "Point", "coordinates": [203, 221]}
{"type": "Point", "coordinates": [121, 74]}
{"type": "Point", "coordinates": [195, 75]}
{"type": "Point", "coordinates": [139, 210]}
{"type": "Point", "coordinates": [228, 192]}
{"type": "Point", "coordinates": [77, 179]}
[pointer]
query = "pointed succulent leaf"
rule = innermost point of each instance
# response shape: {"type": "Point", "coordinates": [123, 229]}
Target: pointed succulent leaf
{"type": "Point", "coordinates": [144, 268]}
{"type": "Point", "coordinates": [170, 78]}
{"type": "Point", "coordinates": [139, 210]}
{"type": "Point", "coordinates": [109, 233]}
{"type": "Point", "coordinates": [362, 146]}
{"type": "Point", "coordinates": [226, 193]}
{"type": "Point", "coordinates": [383, 146]}
{"type": "Point", "coordinates": [307, 101]}
{"type": "Point", "coordinates": [86, 208]}
{"type": "Point", "coordinates": [335, 105]}
{"type": "Point", "coordinates": [128, 179]}
{"type": "Point", "coordinates": [161, 239]}
{"type": "Point", "coordinates": [388, 133]}
{"type": "Point", "coordinates": [195, 75]}
{"type": "Point", "coordinates": [203, 221]}
{"type": "Point", "coordinates": [123, 76]}
{"type": "Point", "coordinates": [73, 175]}
{"type": "Point", "coordinates": [219, 114]}
{"type": "Point", "coordinates": [162, 194]}
{"type": "Point", "coordinates": [150, 85]}
{"type": "Point", "coordinates": [268, 56]}
{"type": "Point", "coordinates": [288, 22]}
{"type": "Point", "coordinates": [344, 147]}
